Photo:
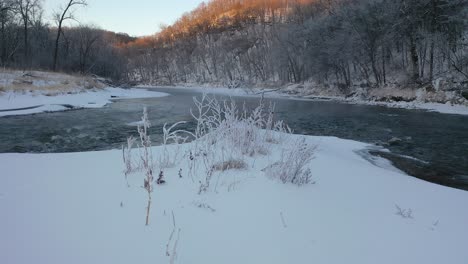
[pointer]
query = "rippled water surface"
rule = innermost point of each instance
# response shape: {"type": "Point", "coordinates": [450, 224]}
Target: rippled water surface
{"type": "Point", "coordinates": [440, 140]}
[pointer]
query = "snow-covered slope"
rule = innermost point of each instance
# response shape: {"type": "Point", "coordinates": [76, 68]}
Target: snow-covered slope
{"type": "Point", "coordinates": [77, 208]}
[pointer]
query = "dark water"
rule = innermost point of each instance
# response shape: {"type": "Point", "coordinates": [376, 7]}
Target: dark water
{"type": "Point", "coordinates": [440, 140]}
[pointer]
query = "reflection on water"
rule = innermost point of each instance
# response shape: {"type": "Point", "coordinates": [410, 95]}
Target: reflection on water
{"type": "Point", "coordinates": [438, 139]}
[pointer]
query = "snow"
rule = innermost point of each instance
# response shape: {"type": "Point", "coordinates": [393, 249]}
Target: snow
{"type": "Point", "coordinates": [80, 208]}
{"type": "Point", "coordinates": [77, 208]}
{"type": "Point", "coordinates": [39, 101]}
{"type": "Point", "coordinates": [447, 108]}
{"type": "Point", "coordinates": [432, 107]}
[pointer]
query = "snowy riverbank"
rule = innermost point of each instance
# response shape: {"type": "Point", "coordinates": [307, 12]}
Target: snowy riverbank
{"type": "Point", "coordinates": [77, 208]}
{"type": "Point", "coordinates": [446, 108]}
{"type": "Point", "coordinates": [237, 194]}
{"type": "Point", "coordinates": [31, 92]}
{"type": "Point", "coordinates": [23, 103]}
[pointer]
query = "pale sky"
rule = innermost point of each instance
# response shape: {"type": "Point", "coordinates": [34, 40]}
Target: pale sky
{"type": "Point", "coordinates": [135, 17]}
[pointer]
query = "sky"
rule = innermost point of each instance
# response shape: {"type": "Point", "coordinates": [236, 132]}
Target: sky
{"type": "Point", "coordinates": [134, 17]}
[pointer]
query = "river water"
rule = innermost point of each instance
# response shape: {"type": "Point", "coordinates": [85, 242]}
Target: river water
{"type": "Point", "coordinates": [433, 146]}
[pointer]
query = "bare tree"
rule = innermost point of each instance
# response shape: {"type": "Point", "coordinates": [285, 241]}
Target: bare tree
{"type": "Point", "coordinates": [60, 17]}
{"type": "Point", "coordinates": [25, 8]}
{"type": "Point", "coordinates": [5, 6]}
{"type": "Point", "coordinates": [88, 37]}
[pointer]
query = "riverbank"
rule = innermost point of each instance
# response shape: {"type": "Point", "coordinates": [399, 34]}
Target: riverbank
{"type": "Point", "coordinates": [295, 93]}
{"type": "Point", "coordinates": [13, 103]}
{"type": "Point", "coordinates": [80, 208]}
{"type": "Point", "coordinates": [23, 93]}
{"type": "Point", "coordinates": [446, 108]}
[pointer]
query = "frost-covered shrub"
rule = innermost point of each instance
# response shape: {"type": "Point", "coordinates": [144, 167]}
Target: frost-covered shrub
{"type": "Point", "coordinates": [207, 115]}
{"type": "Point", "coordinates": [222, 126]}
{"type": "Point", "coordinates": [127, 156]}
{"type": "Point", "coordinates": [292, 167]}
{"type": "Point", "coordinates": [227, 133]}
{"type": "Point", "coordinates": [245, 131]}
{"type": "Point", "coordinates": [172, 135]}
{"type": "Point", "coordinates": [224, 135]}
{"type": "Point", "coordinates": [146, 157]}
{"type": "Point", "coordinates": [230, 165]}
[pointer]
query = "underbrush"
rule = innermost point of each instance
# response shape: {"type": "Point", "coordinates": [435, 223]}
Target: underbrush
{"type": "Point", "coordinates": [230, 165]}
{"type": "Point", "coordinates": [228, 135]}
{"type": "Point", "coordinates": [50, 83]}
{"type": "Point", "coordinates": [293, 165]}
{"type": "Point", "coordinates": [226, 138]}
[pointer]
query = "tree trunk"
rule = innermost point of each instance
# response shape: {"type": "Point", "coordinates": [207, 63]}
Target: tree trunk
{"type": "Point", "coordinates": [3, 39]}
{"type": "Point", "coordinates": [423, 59]}
{"type": "Point", "coordinates": [384, 74]}
{"type": "Point", "coordinates": [59, 29]}
{"type": "Point", "coordinates": [349, 75]}
{"type": "Point", "coordinates": [374, 67]}
{"type": "Point", "coordinates": [414, 59]}
{"type": "Point", "coordinates": [26, 44]}
{"type": "Point", "coordinates": [54, 67]}
{"type": "Point", "coordinates": [431, 61]}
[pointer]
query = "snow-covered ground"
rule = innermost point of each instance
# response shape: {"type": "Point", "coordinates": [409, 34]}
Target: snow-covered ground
{"type": "Point", "coordinates": [38, 101]}
{"type": "Point", "coordinates": [76, 208]}
{"type": "Point", "coordinates": [31, 92]}
{"type": "Point", "coordinates": [447, 108]}
{"type": "Point", "coordinates": [79, 207]}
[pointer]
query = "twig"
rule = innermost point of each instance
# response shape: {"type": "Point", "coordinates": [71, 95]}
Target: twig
{"type": "Point", "coordinates": [405, 213]}
{"type": "Point", "coordinates": [282, 220]}
{"type": "Point", "coordinates": [171, 236]}
{"type": "Point", "coordinates": [174, 249]}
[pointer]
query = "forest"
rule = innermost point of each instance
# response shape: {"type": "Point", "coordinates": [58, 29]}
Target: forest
{"type": "Point", "coordinates": [341, 43]}
{"type": "Point", "coordinates": [328, 43]}
{"type": "Point", "coordinates": [29, 42]}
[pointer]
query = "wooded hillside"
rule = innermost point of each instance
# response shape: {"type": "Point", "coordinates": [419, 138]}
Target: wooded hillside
{"type": "Point", "coordinates": [330, 44]}
{"type": "Point", "coordinates": [370, 43]}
